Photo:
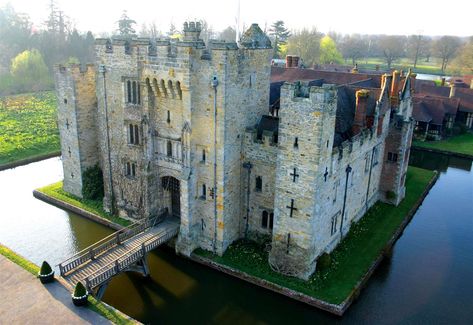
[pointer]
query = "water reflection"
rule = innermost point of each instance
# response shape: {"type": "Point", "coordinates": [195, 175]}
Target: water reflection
{"type": "Point", "coordinates": [427, 279]}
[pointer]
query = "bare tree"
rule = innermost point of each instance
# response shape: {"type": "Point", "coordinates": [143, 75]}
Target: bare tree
{"type": "Point", "coordinates": [228, 34]}
{"type": "Point", "coordinates": [353, 47]}
{"type": "Point", "coordinates": [416, 45]}
{"type": "Point", "coordinates": [446, 47]}
{"type": "Point", "coordinates": [393, 47]}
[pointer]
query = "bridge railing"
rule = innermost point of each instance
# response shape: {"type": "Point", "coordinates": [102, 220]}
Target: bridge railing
{"type": "Point", "coordinates": [127, 259]}
{"type": "Point", "coordinates": [103, 245]}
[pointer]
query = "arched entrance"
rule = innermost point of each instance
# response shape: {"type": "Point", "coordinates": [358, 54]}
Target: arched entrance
{"type": "Point", "coordinates": [172, 195]}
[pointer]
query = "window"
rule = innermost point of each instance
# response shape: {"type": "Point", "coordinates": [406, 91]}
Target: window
{"type": "Point", "coordinates": [168, 117]}
{"type": "Point", "coordinates": [133, 134]}
{"type": "Point", "coordinates": [130, 169]}
{"type": "Point", "coordinates": [392, 157]}
{"type": "Point", "coordinates": [133, 92]}
{"type": "Point", "coordinates": [259, 184]}
{"type": "Point", "coordinates": [65, 100]}
{"type": "Point", "coordinates": [367, 162]}
{"type": "Point", "coordinates": [203, 155]}
{"type": "Point", "coordinates": [203, 194]}
{"type": "Point", "coordinates": [296, 142]}
{"type": "Point", "coordinates": [333, 228]}
{"type": "Point", "coordinates": [179, 90]}
{"type": "Point", "coordinates": [271, 219]}
{"type": "Point", "coordinates": [169, 149]}
{"type": "Point", "coordinates": [264, 220]}
{"type": "Point", "coordinates": [375, 156]}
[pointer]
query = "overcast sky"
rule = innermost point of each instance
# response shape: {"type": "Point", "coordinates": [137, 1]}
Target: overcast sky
{"type": "Point", "coordinates": [401, 17]}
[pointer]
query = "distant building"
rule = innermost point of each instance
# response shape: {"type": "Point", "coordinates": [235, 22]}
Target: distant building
{"type": "Point", "coordinates": [215, 136]}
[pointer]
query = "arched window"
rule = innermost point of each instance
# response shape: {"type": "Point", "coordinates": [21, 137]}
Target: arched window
{"type": "Point", "coordinates": [264, 219]}
{"type": "Point", "coordinates": [131, 133]}
{"type": "Point", "coordinates": [127, 169]}
{"type": "Point", "coordinates": [128, 91]}
{"type": "Point", "coordinates": [271, 220]}
{"type": "Point", "coordinates": [169, 149]}
{"type": "Point", "coordinates": [204, 191]}
{"type": "Point", "coordinates": [138, 91]}
{"type": "Point", "coordinates": [133, 98]}
{"type": "Point", "coordinates": [137, 135]}
{"type": "Point", "coordinates": [259, 184]}
{"type": "Point", "coordinates": [179, 90]}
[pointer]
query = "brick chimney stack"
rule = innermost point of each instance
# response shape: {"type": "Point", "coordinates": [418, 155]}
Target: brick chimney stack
{"type": "Point", "coordinates": [292, 61]}
{"type": "Point", "coordinates": [413, 77]}
{"type": "Point", "coordinates": [288, 61]}
{"type": "Point", "coordinates": [395, 88]}
{"type": "Point", "coordinates": [452, 90]}
{"type": "Point", "coordinates": [361, 108]}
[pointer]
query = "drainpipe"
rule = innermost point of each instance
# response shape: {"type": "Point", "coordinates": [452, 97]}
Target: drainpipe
{"type": "Point", "coordinates": [347, 171]}
{"type": "Point", "coordinates": [112, 196]}
{"type": "Point", "coordinates": [369, 180]}
{"type": "Point", "coordinates": [214, 84]}
{"type": "Point", "coordinates": [247, 166]}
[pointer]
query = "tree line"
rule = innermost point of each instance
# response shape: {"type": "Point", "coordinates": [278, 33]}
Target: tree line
{"type": "Point", "coordinates": [28, 53]}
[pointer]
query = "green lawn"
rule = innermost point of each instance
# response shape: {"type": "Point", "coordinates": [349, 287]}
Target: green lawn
{"type": "Point", "coordinates": [94, 206]}
{"type": "Point", "coordinates": [432, 67]}
{"type": "Point", "coordinates": [94, 304]}
{"type": "Point", "coordinates": [350, 260]}
{"type": "Point", "coordinates": [28, 126]}
{"type": "Point", "coordinates": [458, 144]}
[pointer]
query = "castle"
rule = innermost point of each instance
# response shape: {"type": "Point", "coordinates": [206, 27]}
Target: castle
{"type": "Point", "coordinates": [185, 129]}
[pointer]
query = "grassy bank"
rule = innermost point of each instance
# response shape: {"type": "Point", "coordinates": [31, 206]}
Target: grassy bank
{"type": "Point", "coordinates": [349, 261]}
{"type": "Point", "coordinates": [28, 126]}
{"type": "Point", "coordinates": [94, 304]}
{"type": "Point", "coordinates": [462, 144]}
{"type": "Point", "coordinates": [55, 190]}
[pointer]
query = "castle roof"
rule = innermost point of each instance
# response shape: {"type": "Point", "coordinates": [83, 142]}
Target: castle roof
{"type": "Point", "coordinates": [433, 110]}
{"type": "Point", "coordinates": [254, 37]}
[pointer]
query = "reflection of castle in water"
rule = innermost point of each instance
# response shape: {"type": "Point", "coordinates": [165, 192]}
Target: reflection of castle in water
{"type": "Point", "coordinates": [436, 161]}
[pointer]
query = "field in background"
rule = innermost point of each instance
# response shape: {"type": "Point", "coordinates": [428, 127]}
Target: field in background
{"type": "Point", "coordinates": [28, 126]}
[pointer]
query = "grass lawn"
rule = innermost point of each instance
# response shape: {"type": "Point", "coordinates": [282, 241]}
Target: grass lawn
{"type": "Point", "coordinates": [28, 126]}
{"type": "Point", "coordinates": [55, 190]}
{"type": "Point", "coordinates": [432, 67]}
{"type": "Point", "coordinates": [458, 144]}
{"type": "Point", "coordinates": [94, 304]}
{"type": "Point", "coordinates": [349, 261]}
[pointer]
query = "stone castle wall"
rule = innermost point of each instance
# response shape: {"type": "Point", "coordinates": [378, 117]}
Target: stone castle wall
{"type": "Point", "coordinates": [77, 105]}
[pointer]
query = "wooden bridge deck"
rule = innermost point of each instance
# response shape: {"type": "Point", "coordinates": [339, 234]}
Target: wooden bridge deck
{"type": "Point", "coordinates": [108, 260]}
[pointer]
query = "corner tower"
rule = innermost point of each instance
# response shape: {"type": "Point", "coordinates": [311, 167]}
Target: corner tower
{"type": "Point", "coordinates": [77, 105]}
{"type": "Point", "coordinates": [306, 133]}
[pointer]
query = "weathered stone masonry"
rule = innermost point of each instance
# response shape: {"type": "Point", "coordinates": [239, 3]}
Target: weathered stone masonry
{"type": "Point", "coordinates": [182, 128]}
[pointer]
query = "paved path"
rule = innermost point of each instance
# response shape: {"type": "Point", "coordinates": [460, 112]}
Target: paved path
{"type": "Point", "coordinates": [24, 300]}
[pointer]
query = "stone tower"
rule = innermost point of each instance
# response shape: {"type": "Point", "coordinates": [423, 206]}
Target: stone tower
{"type": "Point", "coordinates": [76, 122]}
{"type": "Point", "coordinates": [306, 131]}
{"type": "Point", "coordinates": [398, 142]}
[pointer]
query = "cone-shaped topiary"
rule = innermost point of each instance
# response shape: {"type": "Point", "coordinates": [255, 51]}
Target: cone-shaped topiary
{"type": "Point", "coordinates": [79, 297]}
{"type": "Point", "coordinates": [46, 273]}
{"type": "Point", "coordinates": [79, 290]}
{"type": "Point", "coordinates": [45, 268]}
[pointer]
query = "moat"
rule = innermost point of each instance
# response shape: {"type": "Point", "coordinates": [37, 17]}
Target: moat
{"type": "Point", "coordinates": [427, 279]}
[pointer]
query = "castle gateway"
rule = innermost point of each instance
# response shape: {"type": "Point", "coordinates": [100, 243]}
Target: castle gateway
{"type": "Point", "coordinates": [183, 129]}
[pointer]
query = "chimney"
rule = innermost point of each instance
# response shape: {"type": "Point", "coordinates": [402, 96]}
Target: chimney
{"type": "Point", "coordinates": [295, 61]}
{"type": "Point", "coordinates": [442, 83]}
{"type": "Point", "coordinates": [452, 90]}
{"type": "Point", "coordinates": [359, 121]}
{"type": "Point", "coordinates": [395, 88]}
{"type": "Point", "coordinates": [288, 61]}
{"type": "Point", "coordinates": [413, 77]}
{"type": "Point", "coordinates": [355, 68]}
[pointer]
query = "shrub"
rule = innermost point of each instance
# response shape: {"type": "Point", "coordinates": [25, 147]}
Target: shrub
{"type": "Point", "coordinates": [45, 268]}
{"type": "Point", "coordinates": [390, 195]}
{"type": "Point", "coordinates": [79, 290]}
{"type": "Point", "coordinates": [92, 183]}
{"type": "Point", "coordinates": [324, 262]}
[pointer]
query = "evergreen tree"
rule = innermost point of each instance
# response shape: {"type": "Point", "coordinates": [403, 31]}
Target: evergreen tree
{"type": "Point", "coordinates": [279, 34]}
{"type": "Point", "coordinates": [125, 25]}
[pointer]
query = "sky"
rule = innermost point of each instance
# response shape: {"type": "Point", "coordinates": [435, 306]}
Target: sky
{"type": "Point", "coordinates": [400, 17]}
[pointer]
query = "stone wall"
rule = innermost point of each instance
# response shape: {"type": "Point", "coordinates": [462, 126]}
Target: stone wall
{"type": "Point", "coordinates": [77, 105]}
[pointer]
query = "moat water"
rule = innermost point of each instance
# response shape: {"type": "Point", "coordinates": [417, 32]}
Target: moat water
{"type": "Point", "coordinates": [428, 278]}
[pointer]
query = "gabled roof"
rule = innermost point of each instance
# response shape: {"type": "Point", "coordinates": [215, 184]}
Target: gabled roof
{"type": "Point", "coordinates": [433, 109]}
